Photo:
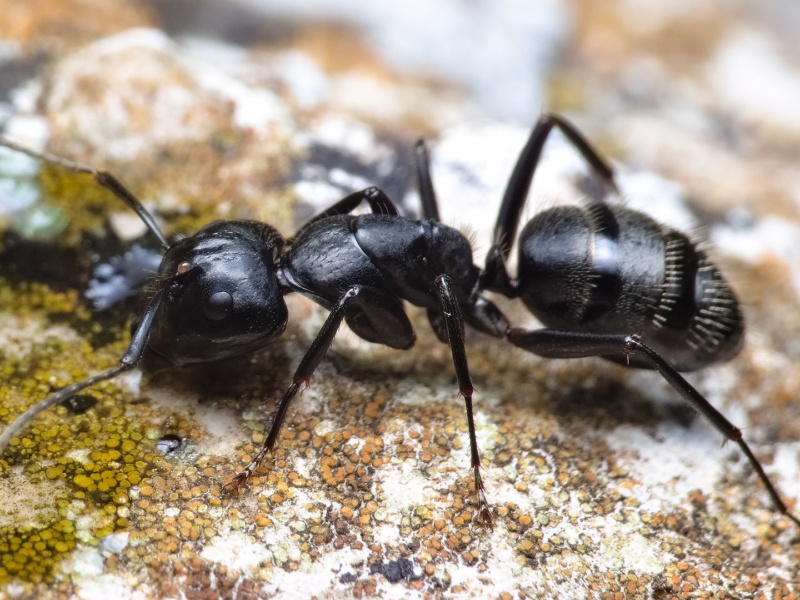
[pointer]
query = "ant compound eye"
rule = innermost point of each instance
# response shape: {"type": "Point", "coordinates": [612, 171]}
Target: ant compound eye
{"type": "Point", "coordinates": [183, 267]}
{"type": "Point", "coordinates": [218, 306]}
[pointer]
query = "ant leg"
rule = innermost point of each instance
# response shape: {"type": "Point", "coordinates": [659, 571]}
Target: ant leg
{"type": "Point", "coordinates": [128, 361]}
{"type": "Point", "coordinates": [484, 316]}
{"type": "Point", "coordinates": [103, 178]}
{"type": "Point", "coordinates": [519, 183]}
{"type": "Point", "coordinates": [495, 275]}
{"type": "Point", "coordinates": [562, 344]}
{"type": "Point", "coordinates": [379, 203]}
{"type": "Point", "coordinates": [448, 305]}
{"type": "Point", "coordinates": [390, 326]}
{"type": "Point", "coordinates": [304, 371]}
{"type": "Point", "coordinates": [430, 207]}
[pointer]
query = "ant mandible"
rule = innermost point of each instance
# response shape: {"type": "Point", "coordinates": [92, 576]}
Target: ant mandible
{"type": "Point", "coordinates": [593, 275]}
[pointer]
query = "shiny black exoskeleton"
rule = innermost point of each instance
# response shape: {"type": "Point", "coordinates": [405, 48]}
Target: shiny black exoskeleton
{"type": "Point", "coordinates": [637, 275]}
{"type": "Point", "coordinates": [606, 281]}
{"type": "Point", "coordinates": [612, 282]}
{"type": "Point", "coordinates": [606, 269]}
{"type": "Point", "coordinates": [601, 268]}
{"type": "Point", "coordinates": [223, 287]}
{"type": "Point", "coordinates": [221, 296]}
{"type": "Point", "coordinates": [223, 292]}
{"type": "Point", "coordinates": [219, 293]}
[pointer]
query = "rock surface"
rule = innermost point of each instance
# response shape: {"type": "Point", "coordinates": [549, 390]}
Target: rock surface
{"type": "Point", "coordinates": [603, 483]}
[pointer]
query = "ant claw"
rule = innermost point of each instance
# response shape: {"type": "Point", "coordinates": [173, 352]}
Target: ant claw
{"type": "Point", "coordinates": [234, 486]}
{"type": "Point", "coordinates": [485, 518]}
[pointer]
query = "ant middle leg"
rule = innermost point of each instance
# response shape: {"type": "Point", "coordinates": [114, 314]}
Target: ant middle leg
{"type": "Point", "coordinates": [519, 183]}
{"type": "Point", "coordinates": [427, 194]}
{"type": "Point", "coordinates": [454, 326]}
{"type": "Point", "coordinates": [562, 344]}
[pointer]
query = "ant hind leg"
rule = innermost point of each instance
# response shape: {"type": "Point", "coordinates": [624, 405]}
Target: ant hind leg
{"type": "Point", "coordinates": [562, 344]}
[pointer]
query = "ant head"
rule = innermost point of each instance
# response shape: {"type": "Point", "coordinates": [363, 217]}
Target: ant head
{"type": "Point", "coordinates": [222, 297]}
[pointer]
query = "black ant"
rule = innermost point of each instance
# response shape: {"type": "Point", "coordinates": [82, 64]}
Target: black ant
{"type": "Point", "coordinates": [219, 293]}
{"type": "Point", "coordinates": [594, 275]}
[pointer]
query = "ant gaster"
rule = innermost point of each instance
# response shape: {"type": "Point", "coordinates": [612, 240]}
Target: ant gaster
{"type": "Point", "coordinates": [607, 281]}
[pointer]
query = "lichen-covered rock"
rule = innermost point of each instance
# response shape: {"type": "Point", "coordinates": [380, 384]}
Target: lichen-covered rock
{"type": "Point", "coordinates": [602, 482]}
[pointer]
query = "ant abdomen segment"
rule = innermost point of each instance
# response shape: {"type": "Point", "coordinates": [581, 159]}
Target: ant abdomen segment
{"type": "Point", "coordinates": [610, 269]}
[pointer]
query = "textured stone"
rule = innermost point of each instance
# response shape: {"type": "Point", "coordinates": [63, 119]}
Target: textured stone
{"type": "Point", "coordinates": [602, 482]}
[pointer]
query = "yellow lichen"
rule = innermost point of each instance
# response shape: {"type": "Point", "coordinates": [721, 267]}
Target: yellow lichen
{"type": "Point", "coordinates": [37, 536]}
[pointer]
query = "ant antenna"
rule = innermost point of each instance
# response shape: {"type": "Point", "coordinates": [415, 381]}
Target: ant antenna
{"type": "Point", "coordinates": [128, 361]}
{"type": "Point", "coordinates": [107, 180]}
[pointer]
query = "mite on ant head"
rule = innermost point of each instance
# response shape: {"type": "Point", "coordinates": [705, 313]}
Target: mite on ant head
{"type": "Point", "coordinates": [609, 281]}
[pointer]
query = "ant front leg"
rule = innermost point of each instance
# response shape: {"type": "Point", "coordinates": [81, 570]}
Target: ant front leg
{"type": "Point", "coordinates": [562, 344]}
{"type": "Point", "coordinates": [377, 200]}
{"type": "Point", "coordinates": [388, 323]}
{"type": "Point", "coordinates": [454, 325]}
{"type": "Point", "coordinates": [305, 370]}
